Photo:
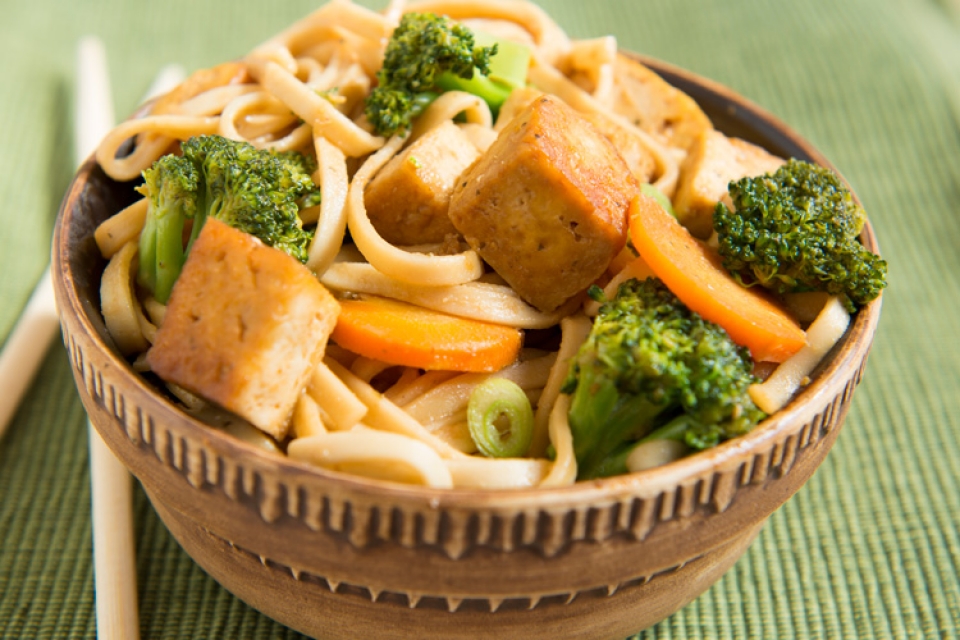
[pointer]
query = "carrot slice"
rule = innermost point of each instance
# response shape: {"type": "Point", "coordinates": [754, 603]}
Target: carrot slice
{"type": "Point", "coordinates": [695, 274]}
{"type": "Point", "coordinates": [404, 334]}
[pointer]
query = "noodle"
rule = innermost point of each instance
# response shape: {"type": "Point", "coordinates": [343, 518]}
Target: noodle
{"type": "Point", "coordinates": [121, 311]}
{"type": "Point", "coordinates": [332, 222]}
{"type": "Point", "coordinates": [318, 112]}
{"type": "Point", "coordinates": [121, 228]}
{"type": "Point", "coordinates": [476, 300]}
{"type": "Point", "coordinates": [447, 107]}
{"type": "Point", "coordinates": [169, 128]}
{"type": "Point", "coordinates": [410, 267]}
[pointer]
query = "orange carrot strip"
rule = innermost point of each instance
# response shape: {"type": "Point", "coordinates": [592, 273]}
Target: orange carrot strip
{"type": "Point", "coordinates": [404, 334]}
{"type": "Point", "coordinates": [695, 274]}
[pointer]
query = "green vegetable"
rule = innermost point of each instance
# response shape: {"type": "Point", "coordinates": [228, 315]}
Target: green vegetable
{"type": "Point", "coordinates": [661, 198]}
{"type": "Point", "coordinates": [507, 71]}
{"type": "Point", "coordinates": [172, 184]}
{"type": "Point", "coordinates": [255, 191]}
{"type": "Point", "coordinates": [428, 54]}
{"type": "Point", "coordinates": [493, 402]}
{"type": "Point", "coordinates": [648, 361]}
{"type": "Point", "coordinates": [797, 230]}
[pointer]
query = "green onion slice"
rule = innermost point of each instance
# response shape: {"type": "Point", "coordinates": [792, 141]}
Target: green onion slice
{"type": "Point", "coordinates": [500, 418]}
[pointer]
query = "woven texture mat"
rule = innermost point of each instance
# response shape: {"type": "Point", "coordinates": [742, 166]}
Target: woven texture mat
{"type": "Point", "coordinates": [869, 548]}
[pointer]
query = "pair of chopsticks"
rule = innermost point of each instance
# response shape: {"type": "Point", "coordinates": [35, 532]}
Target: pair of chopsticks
{"type": "Point", "coordinates": [111, 487]}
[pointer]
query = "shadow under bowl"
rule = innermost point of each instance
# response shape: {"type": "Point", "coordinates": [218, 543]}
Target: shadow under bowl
{"type": "Point", "coordinates": [336, 556]}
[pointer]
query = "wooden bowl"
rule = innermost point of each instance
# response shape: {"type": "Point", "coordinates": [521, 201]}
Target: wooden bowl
{"type": "Point", "coordinates": [336, 556]}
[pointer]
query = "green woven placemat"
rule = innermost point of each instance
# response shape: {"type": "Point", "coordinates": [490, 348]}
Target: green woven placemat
{"type": "Point", "coordinates": [869, 548]}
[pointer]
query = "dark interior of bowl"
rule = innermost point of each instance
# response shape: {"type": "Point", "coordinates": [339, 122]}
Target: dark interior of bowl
{"type": "Point", "coordinates": [99, 197]}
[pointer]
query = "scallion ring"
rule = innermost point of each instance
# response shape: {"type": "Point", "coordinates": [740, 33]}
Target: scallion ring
{"type": "Point", "coordinates": [500, 418]}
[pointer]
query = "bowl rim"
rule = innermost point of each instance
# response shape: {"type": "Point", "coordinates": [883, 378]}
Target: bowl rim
{"type": "Point", "coordinates": [851, 351]}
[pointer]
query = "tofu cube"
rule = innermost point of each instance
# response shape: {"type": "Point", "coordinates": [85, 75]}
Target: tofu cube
{"type": "Point", "coordinates": [629, 145]}
{"type": "Point", "coordinates": [655, 106]}
{"type": "Point", "coordinates": [244, 328]}
{"type": "Point", "coordinates": [407, 200]}
{"type": "Point", "coordinates": [546, 205]}
{"type": "Point", "coordinates": [714, 161]}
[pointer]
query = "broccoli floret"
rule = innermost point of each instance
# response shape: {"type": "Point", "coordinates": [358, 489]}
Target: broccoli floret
{"type": "Point", "coordinates": [427, 54]}
{"type": "Point", "coordinates": [255, 191]}
{"type": "Point", "coordinates": [648, 362]}
{"type": "Point", "coordinates": [797, 230]}
{"type": "Point", "coordinates": [172, 186]}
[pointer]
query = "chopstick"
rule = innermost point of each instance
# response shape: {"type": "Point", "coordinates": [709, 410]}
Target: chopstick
{"type": "Point", "coordinates": [114, 553]}
{"type": "Point", "coordinates": [25, 347]}
{"type": "Point", "coordinates": [115, 575]}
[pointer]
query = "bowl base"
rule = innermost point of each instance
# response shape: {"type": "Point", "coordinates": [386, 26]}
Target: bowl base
{"type": "Point", "coordinates": [315, 607]}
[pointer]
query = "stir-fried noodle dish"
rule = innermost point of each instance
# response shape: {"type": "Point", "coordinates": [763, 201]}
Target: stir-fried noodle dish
{"type": "Point", "coordinates": [446, 244]}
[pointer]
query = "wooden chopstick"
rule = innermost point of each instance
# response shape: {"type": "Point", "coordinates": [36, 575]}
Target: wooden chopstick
{"type": "Point", "coordinates": [114, 553]}
{"type": "Point", "coordinates": [115, 572]}
{"type": "Point", "coordinates": [25, 347]}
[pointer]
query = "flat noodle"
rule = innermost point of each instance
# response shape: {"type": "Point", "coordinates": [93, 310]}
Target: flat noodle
{"type": "Point", "coordinates": [564, 468]}
{"type": "Point", "coordinates": [199, 82]}
{"type": "Point", "coordinates": [168, 128]}
{"type": "Point", "coordinates": [307, 420]}
{"type": "Point", "coordinates": [121, 228]}
{"type": "Point", "coordinates": [413, 268]}
{"type": "Point", "coordinates": [552, 43]}
{"type": "Point", "coordinates": [448, 106]}
{"type": "Point", "coordinates": [476, 300]}
{"type": "Point", "coordinates": [272, 113]}
{"type": "Point", "coordinates": [318, 112]}
{"type": "Point", "coordinates": [595, 59]}
{"type": "Point", "coordinates": [339, 407]}
{"type": "Point", "coordinates": [214, 101]}
{"type": "Point", "coordinates": [293, 141]}
{"type": "Point", "coordinates": [383, 415]}
{"type": "Point", "coordinates": [498, 473]}
{"type": "Point", "coordinates": [367, 368]}
{"type": "Point", "coordinates": [346, 15]}
{"type": "Point", "coordinates": [374, 454]}
{"type": "Point", "coordinates": [451, 397]}
{"type": "Point", "coordinates": [332, 177]}
{"type": "Point", "coordinates": [343, 82]}
{"type": "Point", "coordinates": [413, 384]}
{"type": "Point", "coordinates": [574, 331]}
{"type": "Point", "coordinates": [121, 311]}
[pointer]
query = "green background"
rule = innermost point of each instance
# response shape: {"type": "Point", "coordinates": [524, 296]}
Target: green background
{"type": "Point", "coordinates": [869, 548]}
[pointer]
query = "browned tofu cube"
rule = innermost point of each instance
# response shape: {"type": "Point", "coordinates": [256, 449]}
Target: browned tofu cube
{"type": "Point", "coordinates": [546, 205]}
{"type": "Point", "coordinates": [244, 328]}
{"type": "Point", "coordinates": [629, 145]}
{"type": "Point", "coordinates": [714, 161]}
{"type": "Point", "coordinates": [407, 201]}
{"type": "Point", "coordinates": [655, 106]}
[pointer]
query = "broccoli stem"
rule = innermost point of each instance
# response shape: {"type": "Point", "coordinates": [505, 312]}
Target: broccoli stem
{"type": "Point", "coordinates": [491, 92]}
{"type": "Point", "coordinates": [169, 254]}
{"type": "Point", "coordinates": [147, 273]}
{"type": "Point", "coordinates": [507, 71]}
{"type": "Point", "coordinates": [421, 101]}
{"type": "Point", "coordinates": [624, 417]}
